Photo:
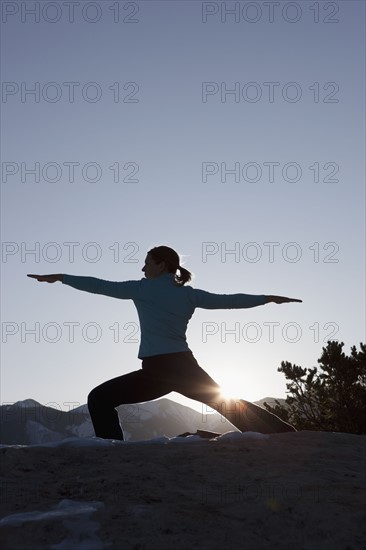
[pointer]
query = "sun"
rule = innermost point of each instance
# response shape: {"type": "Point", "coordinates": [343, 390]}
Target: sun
{"type": "Point", "coordinates": [229, 388]}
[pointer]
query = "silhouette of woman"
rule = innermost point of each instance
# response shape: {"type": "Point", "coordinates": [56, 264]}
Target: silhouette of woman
{"type": "Point", "coordinates": [164, 307]}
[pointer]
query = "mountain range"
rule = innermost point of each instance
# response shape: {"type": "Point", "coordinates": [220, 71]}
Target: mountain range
{"type": "Point", "coordinates": [28, 422]}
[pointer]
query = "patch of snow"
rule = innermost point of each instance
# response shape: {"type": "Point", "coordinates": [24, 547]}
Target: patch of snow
{"type": "Point", "coordinates": [76, 518]}
{"type": "Point", "coordinates": [100, 442]}
{"type": "Point", "coordinates": [187, 439]}
{"type": "Point", "coordinates": [234, 436]}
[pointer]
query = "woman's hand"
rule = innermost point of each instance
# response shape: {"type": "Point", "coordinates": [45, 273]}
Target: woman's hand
{"type": "Point", "coordinates": [280, 299]}
{"type": "Point", "coordinates": [47, 278]}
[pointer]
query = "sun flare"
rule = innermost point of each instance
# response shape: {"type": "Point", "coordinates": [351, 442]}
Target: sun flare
{"type": "Point", "coordinates": [229, 389]}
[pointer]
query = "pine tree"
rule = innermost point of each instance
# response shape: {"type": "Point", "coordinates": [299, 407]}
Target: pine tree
{"type": "Point", "coordinates": [333, 399]}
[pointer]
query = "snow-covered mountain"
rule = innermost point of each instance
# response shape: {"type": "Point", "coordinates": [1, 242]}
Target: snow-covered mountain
{"type": "Point", "coordinates": [28, 422]}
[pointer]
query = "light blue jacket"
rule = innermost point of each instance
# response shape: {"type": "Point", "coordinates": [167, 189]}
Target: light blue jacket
{"type": "Point", "coordinates": [163, 307]}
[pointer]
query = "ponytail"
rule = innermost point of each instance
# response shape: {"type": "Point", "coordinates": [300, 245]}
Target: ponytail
{"type": "Point", "coordinates": [184, 276]}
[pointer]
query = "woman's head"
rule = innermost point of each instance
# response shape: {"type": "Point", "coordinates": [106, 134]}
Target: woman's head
{"type": "Point", "coordinates": [162, 259]}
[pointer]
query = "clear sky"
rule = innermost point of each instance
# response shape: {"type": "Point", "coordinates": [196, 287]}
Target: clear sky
{"type": "Point", "coordinates": [230, 131]}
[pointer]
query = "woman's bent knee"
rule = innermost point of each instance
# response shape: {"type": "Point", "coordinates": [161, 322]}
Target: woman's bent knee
{"type": "Point", "coordinates": [95, 396]}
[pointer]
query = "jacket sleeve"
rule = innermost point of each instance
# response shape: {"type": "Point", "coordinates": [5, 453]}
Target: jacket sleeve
{"type": "Point", "coordinates": [208, 300]}
{"type": "Point", "coordinates": [124, 290]}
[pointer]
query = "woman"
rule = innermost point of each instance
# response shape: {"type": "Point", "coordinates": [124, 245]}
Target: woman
{"type": "Point", "coordinates": [164, 307]}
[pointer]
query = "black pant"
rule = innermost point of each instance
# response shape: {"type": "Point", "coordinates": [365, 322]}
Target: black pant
{"type": "Point", "coordinates": [162, 374]}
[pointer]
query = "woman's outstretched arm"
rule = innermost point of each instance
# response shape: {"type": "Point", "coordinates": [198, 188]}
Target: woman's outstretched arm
{"type": "Point", "coordinates": [123, 289]}
{"type": "Point", "coordinates": [208, 300]}
{"type": "Point", "coordinates": [47, 278]}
